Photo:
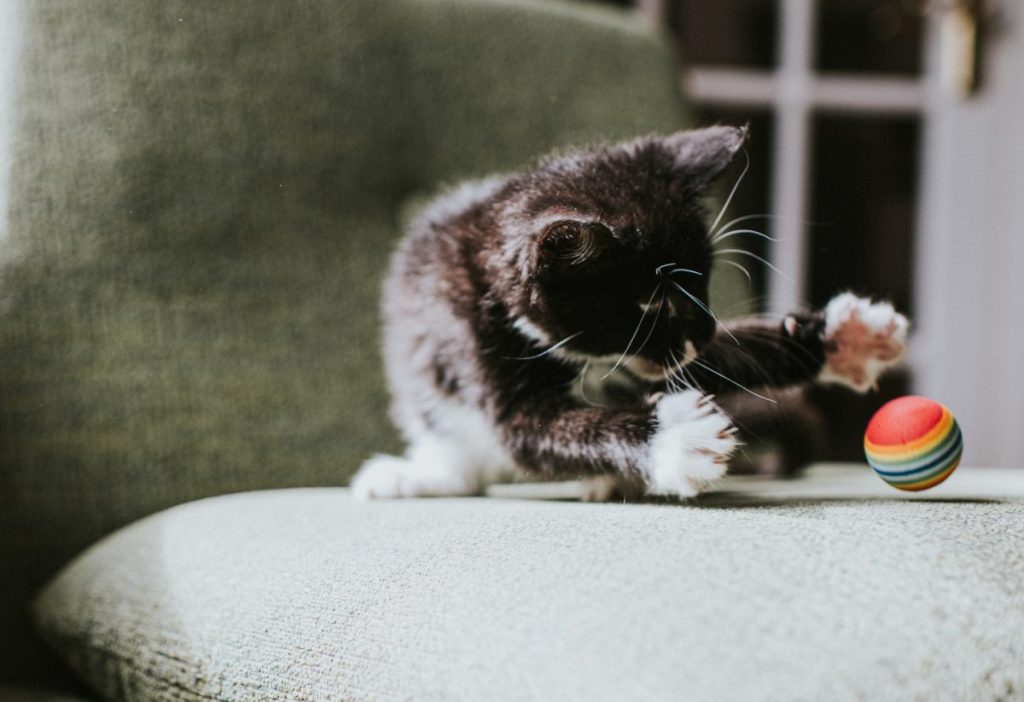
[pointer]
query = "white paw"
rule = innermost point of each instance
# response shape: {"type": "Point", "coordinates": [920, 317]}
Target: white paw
{"type": "Point", "coordinates": [384, 477]}
{"type": "Point", "coordinates": [689, 449]}
{"type": "Point", "coordinates": [433, 467]}
{"type": "Point", "coordinates": [862, 339]}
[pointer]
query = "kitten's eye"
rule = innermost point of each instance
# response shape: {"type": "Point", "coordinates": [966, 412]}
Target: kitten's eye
{"type": "Point", "coordinates": [576, 242]}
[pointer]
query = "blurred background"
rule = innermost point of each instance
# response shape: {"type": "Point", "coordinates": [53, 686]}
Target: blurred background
{"type": "Point", "coordinates": [887, 148]}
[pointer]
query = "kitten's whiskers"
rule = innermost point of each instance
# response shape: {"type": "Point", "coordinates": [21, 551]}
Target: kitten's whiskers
{"type": "Point", "coordinates": [737, 232]}
{"type": "Point", "coordinates": [731, 192]}
{"type": "Point", "coordinates": [744, 218]}
{"type": "Point", "coordinates": [639, 326]}
{"type": "Point", "coordinates": [647, 338]}
{"type": "Point", "coordinates": [582, 380]}
{"type": "Point", "coordinates": [677, 374]}
{"type": "Point", "coordinates": [743, 252]}
{"type": "Point", "coordinates": [742, 269]}
{"type": "Point", "coordinates": [670, 379]}
{"type": "Point", "coordinates": [545, 352]}
{"type": "Point", "coordinates": [726, 378]}
{"type": "Point", "coordinates": [706, 309]}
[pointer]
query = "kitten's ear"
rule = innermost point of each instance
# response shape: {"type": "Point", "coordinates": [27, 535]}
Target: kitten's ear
{"type": "Point", "coordinates": [569, 242]}
{"type": "Point", "coordinates": [702, 154]}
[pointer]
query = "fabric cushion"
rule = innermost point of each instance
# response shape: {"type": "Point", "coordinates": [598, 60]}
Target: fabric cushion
{"type": "Point", "coordinates": [307, 595]}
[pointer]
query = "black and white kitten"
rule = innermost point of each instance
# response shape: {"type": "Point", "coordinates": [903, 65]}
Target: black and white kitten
{"type": "Point", "coordinates": [516, 307]}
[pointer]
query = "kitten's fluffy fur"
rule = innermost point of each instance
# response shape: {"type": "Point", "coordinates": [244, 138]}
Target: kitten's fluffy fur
{"type": "Point", "coordinates": [511, 299]}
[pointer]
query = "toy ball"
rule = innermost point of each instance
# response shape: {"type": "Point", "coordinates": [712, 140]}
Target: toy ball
{"type": "Point", "coordinates": [913, 443]}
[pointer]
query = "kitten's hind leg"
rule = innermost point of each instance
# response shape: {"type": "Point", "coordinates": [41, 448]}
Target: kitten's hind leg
{"type": "Point", "coordinates": [433, 466]}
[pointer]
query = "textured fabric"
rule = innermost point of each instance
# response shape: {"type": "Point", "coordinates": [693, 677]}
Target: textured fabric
{"type": "Point", "coordinates": [307, 595]}
{"type": "Point", "coordinates": [202, 199]}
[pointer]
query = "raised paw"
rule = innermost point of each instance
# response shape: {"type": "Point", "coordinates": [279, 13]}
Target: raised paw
{"type": "Point", "coordinates": [690, 446]}
{"type": "Point", "coordinates": [862, 339]}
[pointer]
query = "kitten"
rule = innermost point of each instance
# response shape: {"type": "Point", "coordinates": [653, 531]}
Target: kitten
{"type": "Point", "coordinates": [557, 321]}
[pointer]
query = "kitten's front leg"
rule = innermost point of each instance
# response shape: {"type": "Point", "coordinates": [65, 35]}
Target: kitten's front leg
{"type": "Point", "coordinates": [851, 342]}
{"type": "Point", "coordinates": [676, 446]}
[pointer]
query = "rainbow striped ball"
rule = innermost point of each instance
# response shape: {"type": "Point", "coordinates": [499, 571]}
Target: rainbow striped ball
{"type": "Point", "coordinates": [913, 443]}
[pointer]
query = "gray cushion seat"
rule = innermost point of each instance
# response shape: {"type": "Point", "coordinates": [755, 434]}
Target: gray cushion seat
{"type": "Point", "coordinates": [829, 588]}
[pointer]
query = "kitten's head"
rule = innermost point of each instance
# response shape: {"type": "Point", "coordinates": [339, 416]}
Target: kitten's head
{"type": "Point", "coordinates": [593, 240]}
